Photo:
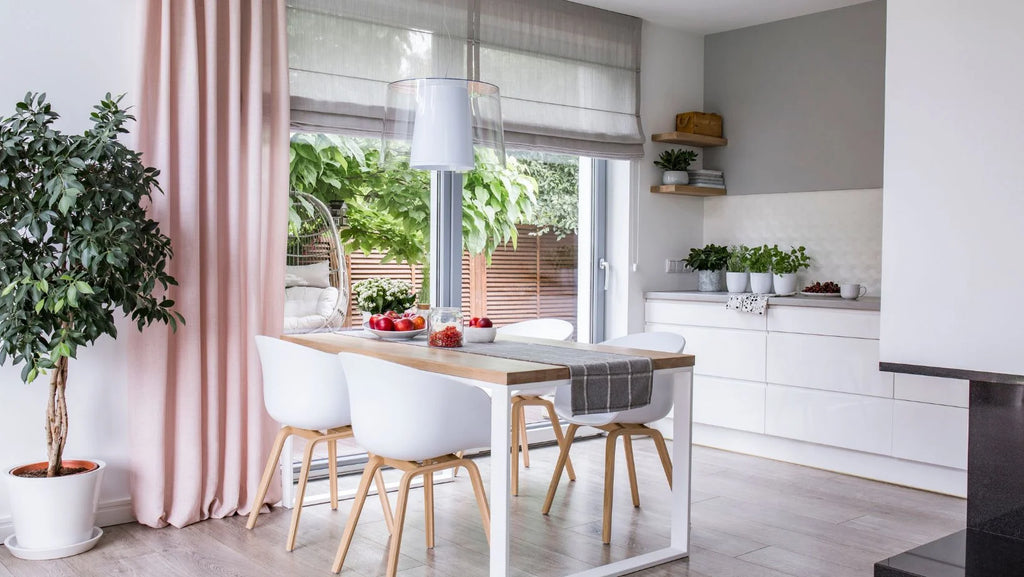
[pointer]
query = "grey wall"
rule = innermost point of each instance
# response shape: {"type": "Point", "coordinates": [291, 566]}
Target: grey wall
{"type": "Point", "coordinates": [802, 100]}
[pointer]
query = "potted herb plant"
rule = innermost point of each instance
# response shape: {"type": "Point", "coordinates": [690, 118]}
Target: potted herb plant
{"type": "Point", "coordinates": [759, 263]}
{"type": "Point", "coordinates": [675, 162]}
{"type": "Point", "coordinates": [709, 262]}
{"type": "Point", "coordinates": [736, 269]}
{"type": "Point", "coordinates": [785, 265]}
{"type": "Point", "coordinates": [77, 250]}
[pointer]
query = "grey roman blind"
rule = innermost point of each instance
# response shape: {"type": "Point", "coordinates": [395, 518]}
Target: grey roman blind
{"type": "Point", "coordinates": [569, 74]}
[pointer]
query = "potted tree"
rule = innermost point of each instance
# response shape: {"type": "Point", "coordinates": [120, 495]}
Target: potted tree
{"type": "Point", "coordinates": [675, 162]}
{"type": "Point", "coordinates": [785, 265]}
{"type": "Point", "coordinates": [736, 269]}
{"type": "Point", "coordinates": [76, 250]}
{"type": "Point", "coordinates": [709, 262]}
{"type": "Point", "coordinates": [759, 263]}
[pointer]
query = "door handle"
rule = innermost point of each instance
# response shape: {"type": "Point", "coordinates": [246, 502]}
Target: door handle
{"type": "Point", "coordinates": [606, 267]}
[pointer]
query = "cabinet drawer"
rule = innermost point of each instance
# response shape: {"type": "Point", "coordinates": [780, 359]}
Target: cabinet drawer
{"type": "Point", "coordinates": [815, 321]}
{"type": "Point", "coordinates": [937, 390]}
{"type": "Point", "coordinates": [930, 433]}
{"type": "Point", "coordinates": [837, 419]}
{"type": "Point", "coordinates": [700, 314]}
{"type": "Point", "coordinates": [828, 363]}
{"type": "Point", "coordinates": [725, 353]}
{"type": "Point", "coordinates": [728, 403]}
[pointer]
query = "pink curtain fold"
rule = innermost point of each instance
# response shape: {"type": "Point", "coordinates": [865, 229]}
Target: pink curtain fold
{"type": "Point", "coordinates": [213, 117]}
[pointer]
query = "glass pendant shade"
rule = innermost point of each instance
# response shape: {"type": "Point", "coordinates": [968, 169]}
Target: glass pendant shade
{"type": "Point", "coordinates": [441, 123]}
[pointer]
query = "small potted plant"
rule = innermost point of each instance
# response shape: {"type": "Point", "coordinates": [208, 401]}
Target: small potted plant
{"type": "Point", "coordinates": [709, 262]}
{"type": "Point", "coordinates": [675, 162]}
{"type": "Point", "coordinates": [785, 265]}
{"type": "Point", "coordinates": [77, 252]}
{"type": "Point", "coordinates": [759, 263]}
{"type": "Point", "coordinates": [736, 269]}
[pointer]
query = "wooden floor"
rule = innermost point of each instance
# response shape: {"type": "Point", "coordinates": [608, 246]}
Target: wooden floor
{"type": "Point", "coordinates": [751, 518]}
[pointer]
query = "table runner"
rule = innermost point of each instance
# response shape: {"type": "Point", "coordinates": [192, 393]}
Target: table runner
{"type": "Point", "coordinates": [601, 382]}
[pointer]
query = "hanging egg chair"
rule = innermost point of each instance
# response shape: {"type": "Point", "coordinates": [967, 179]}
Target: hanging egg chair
{"type": "Point", "coordinates": [316, 284]}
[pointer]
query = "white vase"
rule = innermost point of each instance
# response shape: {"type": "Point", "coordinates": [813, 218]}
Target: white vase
{"type": "Point", "coordinates": [736, 282]}
{"type": "Point", "coordinates": [709, 280]}
{"type": "Point", "coordinates": [53, 515]}
{"type": "Point", "coordinates": [761, 282]}
{"type": "Point", "coordinates": [785, 284]}
{"type": "Point", "coordinates": [675, 177]}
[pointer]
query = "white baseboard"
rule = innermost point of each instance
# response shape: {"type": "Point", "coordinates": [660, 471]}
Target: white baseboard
{"type": "Point", "coordinates": [113, 512]}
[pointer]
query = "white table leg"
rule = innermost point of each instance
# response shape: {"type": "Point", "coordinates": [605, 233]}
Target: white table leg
{"type": "Point", "coordinates": [501, 444]}
{"type": "Point", "coordinates": [287, 485]}
{"type": "Point", "coordinates": [682, 385]}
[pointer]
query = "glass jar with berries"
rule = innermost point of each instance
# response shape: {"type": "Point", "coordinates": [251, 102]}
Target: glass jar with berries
{"type": "Point", "coordinates": [446, 327]}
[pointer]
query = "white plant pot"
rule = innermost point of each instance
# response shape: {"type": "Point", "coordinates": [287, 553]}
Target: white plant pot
{"type": "Point", "coordinates": [675, 177]}
{"type": "Point", "coordinates": [761, 282]}
{"type": "Point", "coordinates": [709, 280]}
{"type": "Point", "coordinates": [54, 517]}
{"type": "Point", "coordinates": [736, 282]}
{"type": "Point", "coordinates": [785, 284]}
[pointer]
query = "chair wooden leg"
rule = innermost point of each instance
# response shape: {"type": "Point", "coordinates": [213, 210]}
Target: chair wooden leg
{"type": "Point", "coordinates": [666, 461]}
{"type": "Point", "coordinates": [627, 443]}
{"type": "Point", "coordinates": [517, 409]}
{"type": "Point", "coordinates": [560, 437]}
{"type": "Point", "coordinates": [428, 507]}
{"type": "Point", "coordinates": [385, 505]}
{"type": "Point", "coordinates": [609, 486]}
{"type": "Point", "coordinates": [371, 471]}
{"type": "Point", "coordinates": [300, 493]}
{"type": "Point", "coordinates": [268, 475]}
{"type": "Point", "coordinates": [481, 497]}
{"type": "Point", "coordinates": [524, 440]}
{"type": "Point", "coordinates": [332, 470]}
{"type": "Point", "coordinates": [563, 456]}
{"type": "Point", "coordinates": [455, 471]}
{"type": "Point", "coordinates": [396, 535]}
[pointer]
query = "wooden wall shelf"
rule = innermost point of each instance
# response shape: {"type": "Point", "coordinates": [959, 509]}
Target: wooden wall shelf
{"type": "Point", "coordinates": [687, 190]}
{"type": "Point", "coordinates": [688, 139]}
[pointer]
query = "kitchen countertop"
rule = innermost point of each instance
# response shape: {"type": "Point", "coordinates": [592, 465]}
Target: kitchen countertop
{"type": "Point", "coordinates": [861, 304]}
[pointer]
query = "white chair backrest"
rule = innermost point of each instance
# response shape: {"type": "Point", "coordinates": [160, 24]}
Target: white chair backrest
{"type": "Point", "coordinates": [661, 392]}
{"type": "Point", "coordinates": [303, 387]}
{"type": "Point", "coordinates": [404, 413]}
{"type": "Point", "coordinates": [555, 329]}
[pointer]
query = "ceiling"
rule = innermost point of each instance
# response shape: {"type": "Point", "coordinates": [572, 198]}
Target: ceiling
{"type": "Point", "coordinates": [710, 16]}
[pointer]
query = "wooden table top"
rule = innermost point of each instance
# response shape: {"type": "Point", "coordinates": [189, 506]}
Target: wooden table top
{"type": "Point", "coordinates": [478, 367]}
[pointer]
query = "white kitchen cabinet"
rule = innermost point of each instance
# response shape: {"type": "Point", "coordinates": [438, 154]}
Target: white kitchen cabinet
{"type": "Point", "coordinates": [701, 314]}
{"type": "Point", "coordinates": [728, 403]}
{"type": "Point", "coordinates": [837, 419]}
{"type": "Point", "coordinates": [729, 353]}
{"type": "Point", "coordinates": [820, 321]}
{"type": "Point", "coordinates": [935, 390]}
{"type": "Point", "coordinates": [930, 433]}
{"type": "Point", "coordinates": [829, 363]}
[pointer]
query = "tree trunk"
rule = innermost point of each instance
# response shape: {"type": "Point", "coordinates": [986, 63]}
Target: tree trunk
{"type": "Point", "coordinates": [57, 417]}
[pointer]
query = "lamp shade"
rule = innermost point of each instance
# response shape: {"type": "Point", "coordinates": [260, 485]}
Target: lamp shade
{"type": "Point", "coordinates": [439, 123]}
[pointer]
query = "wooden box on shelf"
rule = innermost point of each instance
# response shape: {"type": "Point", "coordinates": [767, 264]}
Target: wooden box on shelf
{"type": "Point", "coordinates": [704, 123]}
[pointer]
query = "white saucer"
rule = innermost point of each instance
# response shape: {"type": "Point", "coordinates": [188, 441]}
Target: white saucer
{"type": "Point", "coordinates": [56, 553]}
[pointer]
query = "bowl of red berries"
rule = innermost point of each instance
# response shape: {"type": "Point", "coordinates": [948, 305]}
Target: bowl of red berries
{"type": "Point", "coordinates": [821, 289]}
{"type": "Point", "coordinates": [480, 330]}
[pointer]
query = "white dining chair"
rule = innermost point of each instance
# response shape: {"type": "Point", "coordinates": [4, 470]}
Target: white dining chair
{"type": "Point", "coordinates": [553, 329]}
{"type": "Point", "coordinates": [625, 424]}
{"type": "Point", "coordinates": [305, 390]}
{"type": "Point", "coordinates": [413, 421]}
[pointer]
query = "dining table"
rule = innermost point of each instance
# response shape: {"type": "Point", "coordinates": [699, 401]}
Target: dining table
{"type": "Point", "coordinates": [500, 377]}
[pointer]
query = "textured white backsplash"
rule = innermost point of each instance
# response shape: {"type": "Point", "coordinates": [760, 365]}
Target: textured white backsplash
{"type": "Point", "coordinates": [841, 229]}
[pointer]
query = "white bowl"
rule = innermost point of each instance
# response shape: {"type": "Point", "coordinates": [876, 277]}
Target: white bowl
{"type": "Point", "coordinates": [480, 335]}
{"type": "Point", "coordinates": [395, 335]}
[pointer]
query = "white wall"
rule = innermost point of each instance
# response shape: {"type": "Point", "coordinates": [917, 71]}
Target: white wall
{"type": "Point", "coordinates": [75, 52]}
{"type": "Point", "coordinates": [645, 228]}
{"type": "Point", "coordinates": [954, 185]}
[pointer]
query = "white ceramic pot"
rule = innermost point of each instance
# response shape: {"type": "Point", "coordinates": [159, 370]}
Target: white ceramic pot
{"type": "Point", "coordinates": [761, 282]}
{"type": "Point", "coordinates": [480, 334]}
{"type": "Point", "coordinates": [785, 284]}
{"type": "Point", "coordinates": [736, 282]}
{"type": "Point", "coordinates": [54, 515]}
{"type": "Point", "coordinates": [675, 177]}
{"type": "Point", "coordinates": [709, 280]}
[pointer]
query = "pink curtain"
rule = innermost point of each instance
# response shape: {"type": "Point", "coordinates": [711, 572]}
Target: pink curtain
{"type": "Point", "coordinates": [213, 117]}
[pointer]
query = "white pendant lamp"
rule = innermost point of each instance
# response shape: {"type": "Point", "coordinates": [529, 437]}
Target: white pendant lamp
{"type": "Point", "coordinates": [439, 123]}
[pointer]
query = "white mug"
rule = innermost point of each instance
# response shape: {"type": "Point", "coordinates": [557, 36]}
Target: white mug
{"type": "Point", "coordinates": [852, 291]}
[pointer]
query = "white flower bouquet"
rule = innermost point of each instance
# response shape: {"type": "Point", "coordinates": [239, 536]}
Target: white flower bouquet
{"type": "Point", "coordinates": [379, 295]}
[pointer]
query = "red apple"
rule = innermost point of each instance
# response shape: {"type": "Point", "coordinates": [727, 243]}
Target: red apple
{"type": "Point", "coordinates": [373, 320]}
{"type": "Point", "coordinates": [484, 323]}
{"type": "Point", "coordinates": [392, 315]}
{"type": "Point", "coordinates": [404, 325]}
{"type": "Point", "coordinates": [384, 324]}
{"type": "Point", "coordinates": [473, 321]}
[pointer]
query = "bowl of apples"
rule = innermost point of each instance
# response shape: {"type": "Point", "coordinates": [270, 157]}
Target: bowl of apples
{"type": "Point", "coordinates": [480, 330]}
{"type": "Point", "coordinates": [396, 327]}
